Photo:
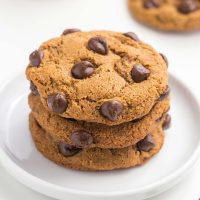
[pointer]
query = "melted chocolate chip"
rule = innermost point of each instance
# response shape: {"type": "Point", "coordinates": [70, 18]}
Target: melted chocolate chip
{"type": "Point", "coordinates": [139, 73]}
{"type": "Point", "coordinates": [33, 88]}
{"type": "Point", "coordinates": [187, 6]}
{"type": "Point", "coordinates": [167, 122]}
{"type": "Point", "coordinates": [98, 45]}
{"type": "Point", "coordinates": [132, 35]}
{"type": "Point", "coordinates": [82, 70]}
{"type": "Point", "coordinates": [67, 150]}
{"type": "Point", "coordinates": [165, 59]}
{"type": "Point", "coordinates": [35, 58]}
{"type": "Point", "coordinates": [81, 139]}
{"type": "Point", "coordinates": [146, 144]}
{"type": "Point", "coordinates": [151, 4]}
{"type": "Point", "coordinates": [111, 109]}
{"type": "Point", "coordinates": [57, 102]}
{"type": "Point", "coordinates": [70, 30]}
{"type": "Point", "coordinates": [165, 94]}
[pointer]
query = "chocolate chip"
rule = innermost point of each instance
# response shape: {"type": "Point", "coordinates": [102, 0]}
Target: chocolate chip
{"type": "Point", "coordinates": [98, 45]}
{"type": "Point", "coordinates": [187, 6]}
{"type": "Point", "coordinates": [67, 150]}
{"type": "Point", "coordinates": [151, 4]}
{"type": "Point", "coordinates": [81, 139]}
{"type": "Point", "coordinates": [33, 88]}
{"type": "Point", "coordinates": [111, 109]}
{"type": "Point", "coordinates": [70, 30]}
{"type": "Point", "coordinates": [165, 94]}
{"type": "Point", "coordinates": [35, 58]}
{"type": "Point", "coordinates": [139, 73]}
{"type": "Point", "coordinates": [82, 70]}
{"type": "Point", "coordinates": [57, 102]}
{"type": "Point", "coordinates": [165, 59]}
{"type": "Point", "coordinates": [132, 36]}
{"type": "Point", "coordinates": [146, 144]}
{"type": "Point", "coordinates": [167, 122]}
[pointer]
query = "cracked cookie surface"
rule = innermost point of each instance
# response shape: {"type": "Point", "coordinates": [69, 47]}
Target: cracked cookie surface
{"type": "Point", "coordinates": [123, 135]}
{"type": "Point", "coordinates": [167, 15]}
{"type": "Point", "coordinates": [94, 159]}
{"type": "Point", "coordinates": [100, 76]}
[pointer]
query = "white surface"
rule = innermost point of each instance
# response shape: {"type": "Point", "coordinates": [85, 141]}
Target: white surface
{"type": "Point", "coordinates": [26, 23]}
{"type": "Point", "coordinates": [20, 157]}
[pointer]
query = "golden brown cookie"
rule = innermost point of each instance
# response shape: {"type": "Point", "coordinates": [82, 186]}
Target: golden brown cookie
{"type": "Point", "coordinates": [167, 15]}
{"type": "Point", "coordinates": [100, 76]}
{"type": "Point", "coordinates": [99, 135]}
{"type": "Point", "coordinates": [96, 158]}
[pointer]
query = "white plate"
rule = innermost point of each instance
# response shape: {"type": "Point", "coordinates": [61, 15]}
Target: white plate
{"type": "Point", "coordinates": [21, 159]}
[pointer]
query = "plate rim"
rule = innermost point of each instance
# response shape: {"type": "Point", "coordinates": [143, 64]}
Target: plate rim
{"type": "Point", "coordinates": [42, 186]}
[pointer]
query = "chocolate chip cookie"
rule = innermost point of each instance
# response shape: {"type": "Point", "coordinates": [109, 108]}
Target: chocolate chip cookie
{"type": "Point", "coordinates": [98, 135]}
{"type": "Point", "coordinates": [167, 15]}
{"type": "Point", "coordinates": [99, 76]}
{"type": "Point", "coordinates": [94, 159]}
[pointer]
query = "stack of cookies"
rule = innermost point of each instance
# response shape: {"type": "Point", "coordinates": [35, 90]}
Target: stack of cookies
{"type": "Point", "coordinates": [99, 100]}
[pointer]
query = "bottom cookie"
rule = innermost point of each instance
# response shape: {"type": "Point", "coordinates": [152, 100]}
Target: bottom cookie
{"type": "Point", "coordinates": [94, 159]}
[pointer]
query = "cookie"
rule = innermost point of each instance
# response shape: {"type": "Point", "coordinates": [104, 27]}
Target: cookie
{"type": "Point", "coordinates": [167, 15]}
{"type": "Point", "coordinates": [94, 159]}
{"type": "Point", "coordinates": [103, 136]}
{"type": "Point", "coordinates": [100, 76]}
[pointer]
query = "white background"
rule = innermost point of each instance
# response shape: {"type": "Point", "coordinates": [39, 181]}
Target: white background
{"type": "Point", "coordinates": [24, 24]}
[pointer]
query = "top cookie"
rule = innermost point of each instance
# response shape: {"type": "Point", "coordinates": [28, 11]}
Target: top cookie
{"type": "Point", "coordinates": [168, 15]}
{"type": "Point", "coordinates": [100, 76]}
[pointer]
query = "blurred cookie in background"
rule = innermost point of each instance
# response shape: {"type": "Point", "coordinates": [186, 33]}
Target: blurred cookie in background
{"type": "Point", "coordinates": [167, 15]}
